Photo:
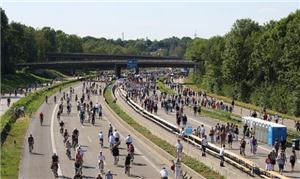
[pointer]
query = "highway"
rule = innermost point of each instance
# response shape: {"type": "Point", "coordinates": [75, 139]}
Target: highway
{"type": "Point", "coordinates": [263, 149]}
{"type": "Point", "coordinates": [228, 171]}
{"type": "Point", "coordinates": [48, 140]}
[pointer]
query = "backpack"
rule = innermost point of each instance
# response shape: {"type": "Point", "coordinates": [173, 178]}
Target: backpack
{"type": "Point", "coordinates": [173, 167]}
{"type": "Point", "coordinates": [292, 158]}
{"type": "Point", "coordinates": [254, 142]}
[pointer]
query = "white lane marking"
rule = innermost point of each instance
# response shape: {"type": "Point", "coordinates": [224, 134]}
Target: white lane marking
{"type": "Point", "coordinates": [52, 138]}
{"type": "Point", "coordinates": [147, 160]}
{"type": "Point", "coordinates": [90, 140]}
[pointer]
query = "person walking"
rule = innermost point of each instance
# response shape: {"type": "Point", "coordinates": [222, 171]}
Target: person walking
{"type": "Point", "coordinates": [293, 159]}
{"type": "Point", "coordinates": [269, 165]}
{"type": "Point", "coordinates": [221, 154]}
{"type": "Point", "coordinates": [179, 148]}
{"type": "Point", "coordinates": [281, 159]}
{"type": "Point", "coordinates": [177, 170]}
{"type": "Point", "coordinates": [272, 156]}
{"type": "Point", "coordinates": [243, 147]}
{"type": "Point", "coordinates": [204, 144]}
{"type": "Point", "coordinates": [212, 135]}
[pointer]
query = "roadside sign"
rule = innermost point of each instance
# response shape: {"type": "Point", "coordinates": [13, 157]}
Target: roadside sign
{"type": "Point", "coordinates": [189, 130]}
{"type": "Point", "coordinates": [132, 63]}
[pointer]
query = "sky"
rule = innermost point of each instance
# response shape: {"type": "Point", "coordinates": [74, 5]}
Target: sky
{"type": "Point", "coordinates": [152, 19]}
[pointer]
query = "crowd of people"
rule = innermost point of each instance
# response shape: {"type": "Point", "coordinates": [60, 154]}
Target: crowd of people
{"type": "Point", "coordinates": [87, 112]}
{"type": "Point", "coordinates": [142, 88]}
{"type": "Point", "coordinates": [149, 97]}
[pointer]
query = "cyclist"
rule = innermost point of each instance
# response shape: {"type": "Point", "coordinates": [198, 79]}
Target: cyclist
{"type": "Point", "coordinates": [100, 111]}
{"type": "Point", "coordinates": [101, 159]}
{"type": "Point", "coordinates": [30, 143]}
{"type": "Point", "coordinates": [77, 166]}
{"type": "Point", "coordinates": [131, 151]}
{"type": "Point", "coordinates": [115, 152]}
{"type": "Point", "coordinates": [116, 135]}
{"type": "Point", "coordinates": [54, 164]}
{"type": "Point", "coordinates": [61, 124]}
{"type": "Point", "coordinates": [58, 115]}
{"type": "Point", "coordinates": [110, 130]}
{"type": "Point", "coordinates": [68, 147]}
{"type": "Point", "coordinates": [54, 99]}
{"type": "Point", "coordinates": [77, 176]}
{"type": "Point", "coordinates": [79, 157]}
{"type": "Point", "coordinates": [128, 140]}
{"type": "Point", "coordinates": [69, 108]}
{"type": "Point", "coordinates": [41, 118]}
{"type": "Point", "coordinates": [127, 164]}
{"type": "Point", "coordinates": [100, 136]}
{"type": "Point", "coordinates": [111, 141]}
{"type": "Point", "coordinates": [46, 99]}
{"type": "Point", "coordinates": [66, 135]}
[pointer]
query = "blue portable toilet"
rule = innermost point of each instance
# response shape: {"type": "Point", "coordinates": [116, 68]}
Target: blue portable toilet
{"type": "Point", "coordinates": [276, 132]}
{"type": "Point", "coordinates": [266, 131]}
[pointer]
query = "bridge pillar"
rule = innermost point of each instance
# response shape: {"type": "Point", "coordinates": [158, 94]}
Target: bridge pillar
{"type": "Point", "coordinates": [118, 71]}
{"type": "Point", "coordinates": [137, 70]}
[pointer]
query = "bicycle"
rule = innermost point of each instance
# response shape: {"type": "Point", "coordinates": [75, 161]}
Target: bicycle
{"type": "Point", "coordinates": [127, 170]}
{"type": "Point", "coordinates": [30, 148]}
{"type": "Point", "coordinates": [101, 166]}
{"type": "Point", "coordinates": [41, 120]}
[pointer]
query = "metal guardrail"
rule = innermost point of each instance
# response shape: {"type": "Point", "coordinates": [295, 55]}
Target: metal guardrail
{"type": "Point", "coordinates": [239, 162]}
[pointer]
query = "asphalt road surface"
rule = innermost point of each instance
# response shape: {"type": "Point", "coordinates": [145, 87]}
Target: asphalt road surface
{"type": "Point", "coordinates": [228, 171]}
{"type": "Point", "coordinates": [262, 151]}
{"type": "Point", "coordinates": [48, 140]}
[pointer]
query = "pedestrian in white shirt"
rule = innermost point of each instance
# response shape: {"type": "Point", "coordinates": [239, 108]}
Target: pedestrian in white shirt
{"type": "Point", "coordinates": [101, 157]}
{"type": "Point", "coordinates": [221, 154]}
{"type": "Point", "coordinates": [179, 148]}
{"type": "Point", "coordinates": [128, 140]}
{"type": "Point", "coordinates": [111, 141]}
{"type": "Point", "coordinates": [164, 173]}
{"type": "Point", "coordinates": [204, 144]}
{"type": "Point", "coordinates": [202, 131]}
{"type": "Point", "coordinates": [116, 136]}
{"type": "Point", "coordinates": [101, 137]}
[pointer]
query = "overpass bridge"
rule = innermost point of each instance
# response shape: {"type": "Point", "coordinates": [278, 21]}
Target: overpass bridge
{"type": "Point", "coordinates": [71, 61]}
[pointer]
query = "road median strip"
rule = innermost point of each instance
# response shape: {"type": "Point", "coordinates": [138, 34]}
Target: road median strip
{"type": "Point", "coordinates": [191, 162]}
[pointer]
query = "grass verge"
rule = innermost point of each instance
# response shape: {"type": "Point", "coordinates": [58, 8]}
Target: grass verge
{"type": "Point", "coordinates": [163, 88]}
{"type": "Point", "coordinates": [20, 79]}
{"type": "Point", "coordinates": [15, 129]}
{"type": "Point", "coordinates": [54, 74]}
{"type": "Point", "coordinates": [193, 163]}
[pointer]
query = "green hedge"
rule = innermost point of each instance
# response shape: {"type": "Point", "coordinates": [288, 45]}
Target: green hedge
{"type": "Point", "coordinates": [193, 163]}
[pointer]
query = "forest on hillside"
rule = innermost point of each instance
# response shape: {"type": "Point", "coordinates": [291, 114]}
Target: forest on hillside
{"type": "Point", "coordinates": [21, 43]}
{"type": "Point", "coordinates": [253, 63]}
